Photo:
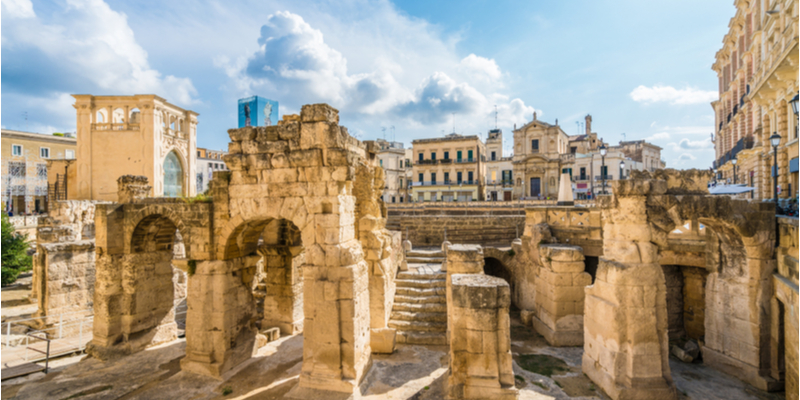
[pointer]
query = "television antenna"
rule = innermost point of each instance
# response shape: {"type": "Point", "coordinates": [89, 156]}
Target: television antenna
{"type": "Point", "coordinates": [383, 129]}
{"type": "Point", "coordinates": [393, 133]}
{"type": "Point", "coordinates": [454, 122]}
{"type": "Point", "coordinates": [495, 116]}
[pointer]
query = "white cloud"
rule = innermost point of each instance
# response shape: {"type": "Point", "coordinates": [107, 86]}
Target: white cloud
{"type": "Point", "coordinates": [687, 157]}
{"type": "Point", "coordinates": [691, 145]}
{"type": "Point", "coordinates": [659, 136]}
{"type": "Point", "coordinates": [671, 95]}
{"type": "Point", "coordinates": [90, 46]}
{"type": "Point", "coordinates": [481, 68]}
{"type": "Point", "coordinates": [296, 63]}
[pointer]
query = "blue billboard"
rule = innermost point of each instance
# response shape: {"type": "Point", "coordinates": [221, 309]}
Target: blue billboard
{"type": "Point", "coordinates": [257, 111]}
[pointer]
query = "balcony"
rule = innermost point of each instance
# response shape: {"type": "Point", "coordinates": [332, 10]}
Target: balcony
{"type": "Point", "coordinates": [744, 143]}
{"type": "Point", "coordinates": [498, 182]}
{"type": "Point", "coordinates": [425, 162]}
{"type": "Point", "coordinates": [445, 183]}
{"type": "Point", "coordinates": [569, 157]}
{"type": "Point", "coordinates": [607, 177]}
{"type": "Point", "coordinates": [465, 160]}
{"type": "Point", "coordinates": [446, 161]}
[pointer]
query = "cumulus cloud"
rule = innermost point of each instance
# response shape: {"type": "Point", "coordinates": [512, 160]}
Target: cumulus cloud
{"type": "Point", "coordinates": [295, 62]}
{"type": "Point", "coordinates": [481, 67]}
{"type": "Point", "coordinates": [687, 157]}
{"type": "Point", "coordinates": [685, 145]}
{"type": "Point", "coordinates": [659, 136]}
{"type": "Point", "coordinates": [657, 93]}
{"type": "Point", "coordinates": [90, 49]}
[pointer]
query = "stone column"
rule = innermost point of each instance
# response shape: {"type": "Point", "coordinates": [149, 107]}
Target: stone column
{"type": "Point", "coordinates": [220, 306]}
{"type": "Point", "coordinates": [559, 295]}
{"type": "Point", "coordinates": [625, 315]}
{"type": "Point", "coordinates": [480, 352]}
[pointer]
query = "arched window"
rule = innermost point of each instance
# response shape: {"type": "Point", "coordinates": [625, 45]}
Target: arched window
{"type": "Point", "coordinates": [173, 176]}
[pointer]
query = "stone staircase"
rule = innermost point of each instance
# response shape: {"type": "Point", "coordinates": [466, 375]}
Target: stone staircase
{"type": "Point", "coordinates": [420, 305]}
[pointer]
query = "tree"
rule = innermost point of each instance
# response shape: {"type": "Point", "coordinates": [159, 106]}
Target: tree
{"type": "Point", "coordinates": [15, 258]}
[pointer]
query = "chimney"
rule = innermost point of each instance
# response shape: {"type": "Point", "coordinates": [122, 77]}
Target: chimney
{"type": "Point", "coordinates": [588, 124]}
{"type": "Point", "coordinates": [534, 115]}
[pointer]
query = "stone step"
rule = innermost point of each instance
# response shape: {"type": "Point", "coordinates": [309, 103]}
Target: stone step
{"type": "Point", "coordinates": [423, 260]}
{"type": "Point", "coordinates": [417, 326]}
{"type": "Point", "coordinates": [420, 283]}
{"type": "Point", "coordinates": [410, 300]}
{"type": "Point", "coordinates": [430, 338]}
{"type": "Point", "coordinates": [420, 307]}
{"type": "Point", "coordinates": [414, 275]}
{"type": "Point", "coordinates": [425, 253]}
{"type": "Point", "coordinates": [412, 291]}
{"type": "Point", "coordinates": [419, 316]}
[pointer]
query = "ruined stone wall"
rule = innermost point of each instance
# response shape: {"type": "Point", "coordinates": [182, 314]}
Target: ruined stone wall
{"type": "Point", "coordinates": [429, 230]}
{"type": "Point", "coordinates": [64, 264]}
{"type": "Point", "coordinates": [784, 306]}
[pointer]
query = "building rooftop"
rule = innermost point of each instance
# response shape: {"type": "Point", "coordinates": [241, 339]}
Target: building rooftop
{"type": "Point", "coordinates": [9, 133]}
{"type": "Point", "coordinates": [448, 137]}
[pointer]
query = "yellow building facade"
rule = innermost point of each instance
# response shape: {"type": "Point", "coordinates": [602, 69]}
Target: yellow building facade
{"type": "Point", "coordinates": [757, 70]}
{"type": "Point", "coordinates": [451, 168]}
{"type": "Point", "coordinates": [25, 158]}
{"type": "Point", "coordinates": [134, 135]}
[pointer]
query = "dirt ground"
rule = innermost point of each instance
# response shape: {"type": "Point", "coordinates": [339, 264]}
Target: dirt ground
{"type": "Point", "coordinates": [412, 372]}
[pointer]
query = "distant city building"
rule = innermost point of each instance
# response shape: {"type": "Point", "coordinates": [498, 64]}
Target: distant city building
{"type": "Point", "coordinates": [257, 111]}
{"type": "Point", "coordinates": [208, 161]}
{"type": "Point", "coordinates": [499, 169]}
{"type": "Point", "coordinates": [757, 72]}
{"type": "Point", "coordinates": [543, 151]}
{"type": "Point", "coordinates": [25, 158]}
{"type": "Point", "coordinates": [396, 163]}
{"type": "Point", "coordinates": [448, 169]}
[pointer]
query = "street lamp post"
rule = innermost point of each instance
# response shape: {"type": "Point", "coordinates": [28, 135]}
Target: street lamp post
{"type": "Point", "coordinates": [775, 140]}
{"type": "Point", "coordinates": [603, 151]}
{"type": "Point", "coordinates": [734, 170]}
{"type": "Point", "coordinates": [622, 170]}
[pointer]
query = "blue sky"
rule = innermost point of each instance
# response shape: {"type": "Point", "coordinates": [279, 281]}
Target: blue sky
{"type": "Point", "coordinates": [640, 68]}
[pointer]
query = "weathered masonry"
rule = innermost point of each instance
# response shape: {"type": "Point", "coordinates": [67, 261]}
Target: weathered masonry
{"type": "Point", "coordinates": [298, 223]}
{"type": "Point", "coordinates": [661, 261]}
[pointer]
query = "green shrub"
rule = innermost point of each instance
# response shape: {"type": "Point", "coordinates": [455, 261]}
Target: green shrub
{"type": "Point", "coordinates": [511, 253]}
{"type": "Point", "coordinates": [227, 390]}
{"type": "Point", "coordinates": [15, 258]}
{"type": "Point", "coordinates": [200, 198]}
{"type": "Point", "coordinates": [58, 134]}
{"type": "Point", "coordinates": [192, 267]}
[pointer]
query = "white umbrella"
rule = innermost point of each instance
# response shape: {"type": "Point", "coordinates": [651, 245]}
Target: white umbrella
{"type": "Point", "coordinates": [730, 189]}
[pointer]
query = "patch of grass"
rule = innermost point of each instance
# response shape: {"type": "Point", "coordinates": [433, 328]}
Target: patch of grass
{"type": "Point", "coordinates": [192, 267]}
{"type": "Point", "coordinates": [519, 378]}
{"type": "Point", "coordinates": [90, 391]}
{"type": "Point", "coordinates": [541, 385]}
{"type": "Point", "coordinates": [511, 253]}
{"type": "Point", "coordinates": [542, 364]}
{"type": "Point", "coordinates": [200, 198]}
{"type": "Point", "coordinates": [227, 390]}
{"type": "Point", "coordinates": [427, 387]}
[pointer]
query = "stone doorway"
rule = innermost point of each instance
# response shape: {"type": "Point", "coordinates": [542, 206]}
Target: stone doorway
{"type": "Point", "coordinates": [495, 267]}
{"type": "Point", "coordinates": [686, 289]}
{"type": "Point", "coordinates": [536, 189]}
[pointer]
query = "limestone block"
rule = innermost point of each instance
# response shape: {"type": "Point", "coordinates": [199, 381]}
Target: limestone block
{"type": "Point", "coordinates": [241, 134]}
{"type": "Point", "coordinates": [319, 112]}
{"type": "Point", "coordinates": [383, 340]}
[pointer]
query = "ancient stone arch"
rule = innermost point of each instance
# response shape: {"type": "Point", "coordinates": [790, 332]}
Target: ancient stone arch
{"type": "Point", "coordinates": [626, 342]}
{"type": "Point", "coordinates": [305, 174]}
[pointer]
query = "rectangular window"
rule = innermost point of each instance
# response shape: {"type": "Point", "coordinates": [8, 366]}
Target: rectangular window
{"type": "Point", "coordinates": [44, 152]}
{"type": "Point", "coordinates": [401, 199]}
{"type": "Point", "coordinates": [16, 150]}
{"type": "Point", "coordinates": [573, 150]}
{"type": "Point", "coordinates": [604, 171]}
{"type": "Point", "coordinates": [446, 178]}
{"type": "Point", "coordinates": [401, 183]}
{"type": "Point", "coordinates": [458, 178]}
{"type": "Point", "coordinates": [493, 156]}
{"type": "Point", "coordinates": [567, 171]}
{"type": "Point", "coordinates": [198, 153]}
{"type": "Point", "coordinates": [583, 173]}
{"type": "Point", "coordinates": [469, 177]}
{"type": "Point", "coordinates": [446, 155]}
{"type": "Point", "coordinates": [535, 146]}
{"type": "Point", "coordinates": [420, 157]}
{"type": "Point", "coordinates": [70, 155]}
{"type": "Point", "coordinates": [458, 155]}
{"type": "Point", "coordinates": [381, 163]}
{"type": "Point", "coordinates": [41, 171]}
{"type": "Point", "coordinates": [469, 155]}
{"type": "Point", "coordinates": [421, 177]}
{"type": "Point", "coordinates": [17, 169]}
{"type": "Point", "coordinates": [392, 199]}
{"type": "Point", "coordinates": [433, 156]}
{"type": "Point", "coordinates": [433, 178]}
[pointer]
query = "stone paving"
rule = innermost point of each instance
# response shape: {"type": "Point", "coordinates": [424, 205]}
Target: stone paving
{"type": "Point", "coordinates": [412, 372]}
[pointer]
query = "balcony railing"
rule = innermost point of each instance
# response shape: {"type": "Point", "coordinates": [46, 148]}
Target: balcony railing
{"type": "Point", "coordinates": [744, 143]}
{"type": "Point", "coordinates": [445, 183]}
{"type": "Point", "coordinates": [607, 177]}
{"type": "Point", "coordinates": [466, 160]}
{"type": "Point", "coordinates": [498, 182]}
{"type": "Point", "coordinates": [425, 162]}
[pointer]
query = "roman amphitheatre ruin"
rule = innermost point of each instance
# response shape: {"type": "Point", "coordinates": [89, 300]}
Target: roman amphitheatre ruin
{"type": "Point", "coordinates": [294, 287]}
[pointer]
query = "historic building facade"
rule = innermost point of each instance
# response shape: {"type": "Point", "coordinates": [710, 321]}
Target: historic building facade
{"type": "Point", "coordinates": [757, 69]}
{"type": "Point", "coordinates": [25, 158]}
{"type": "Point", "coordinates": [448, 169]}
{"type": "Point", "coordinates": [208, 161]}
{"type": "Point", "coordinates": [396, 163]}
{"type": "Point", "coordinates": [538, 147]}
{"type": "Point", "coordinates": [134, 135]}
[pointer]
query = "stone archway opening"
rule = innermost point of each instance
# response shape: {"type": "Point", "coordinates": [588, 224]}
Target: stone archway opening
{"type": "Point", "coordinates": [686, 308]}
{"type": "Point", "coordinates": [495, 267]}
{"type": "Point", "coordinates": [152, 286]}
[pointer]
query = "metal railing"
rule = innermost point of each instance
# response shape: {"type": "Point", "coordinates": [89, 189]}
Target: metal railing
{"type": "Point", "coordinates": [24, 220]}
{"type": "Point", "coordinates": [443, 183]}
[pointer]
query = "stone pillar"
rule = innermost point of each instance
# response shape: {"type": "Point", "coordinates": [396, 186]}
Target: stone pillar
{"type": "Point", "coordinates": [559, 295]}
{"type": "Point", "coordinates": [220, 307]}
{"type": "Point", "coordinates": [132, 188]}
{"type": "Point", "coordinates": [461, 259]}
{"type": "Point", "coordinates": [625, 316]}
{"type": "Point", "coordinates": [480, 352]}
